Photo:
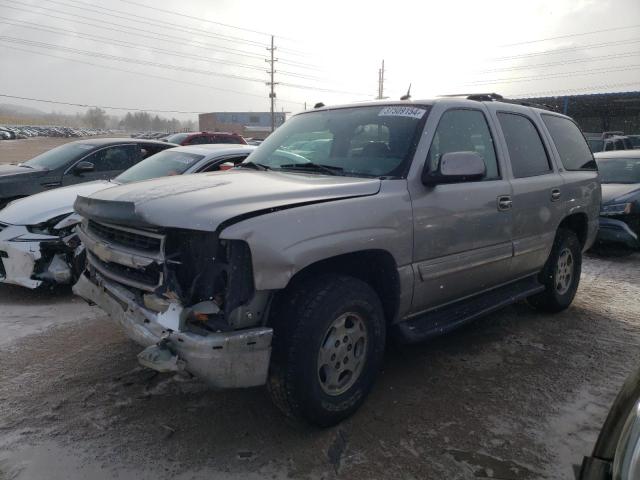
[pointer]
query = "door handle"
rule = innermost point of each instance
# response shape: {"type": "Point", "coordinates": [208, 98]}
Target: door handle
{"type": "Point", "coordinates": [555, 194]}
{"type": "Point", "coordinates": [504, 203]}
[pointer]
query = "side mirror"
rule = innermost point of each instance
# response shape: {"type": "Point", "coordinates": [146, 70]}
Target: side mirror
{"type": "Point", "coordinates": [83, 167]}
{"type": "Point", "coordinates": [455, 167]}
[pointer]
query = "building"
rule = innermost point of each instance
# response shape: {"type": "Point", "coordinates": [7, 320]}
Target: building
{"type": "Point", "coordinates": [598, 112]}
{"type": "Point", "coordinates": [247, 124]}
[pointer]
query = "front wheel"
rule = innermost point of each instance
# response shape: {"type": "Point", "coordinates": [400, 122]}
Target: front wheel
{"type": "Point", "coordinates": [329, 338]}
{"type": "Point", "coordinates": [561, 273]}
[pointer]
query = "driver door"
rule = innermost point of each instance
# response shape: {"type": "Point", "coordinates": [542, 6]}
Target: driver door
{"type": "Point", "coordinates": [108, 162]}
{"type": "Point", "coordinates": [462, 237]}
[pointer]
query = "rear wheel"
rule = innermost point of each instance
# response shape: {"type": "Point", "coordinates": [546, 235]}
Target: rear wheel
{"type": "Point", "coordinates": [561, 273]}
{"type": "Point", "coordinates": [329, 338]}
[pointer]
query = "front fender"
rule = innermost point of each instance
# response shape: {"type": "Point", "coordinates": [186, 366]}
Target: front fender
{"type": "Point", "coordinates": [283, 243]}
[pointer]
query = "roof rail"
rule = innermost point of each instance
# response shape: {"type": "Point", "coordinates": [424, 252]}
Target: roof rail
{"type": "Point", "coordinates": [495, 97]}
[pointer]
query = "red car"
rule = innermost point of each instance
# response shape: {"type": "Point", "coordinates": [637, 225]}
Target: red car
{"type": "Point", "coordinates": [197, 138]}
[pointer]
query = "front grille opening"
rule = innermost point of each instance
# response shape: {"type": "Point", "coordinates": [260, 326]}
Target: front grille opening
{"type": "Point", "coordinates": [125, 238]}
{"type": "Point", "coordinates": [149, 276]}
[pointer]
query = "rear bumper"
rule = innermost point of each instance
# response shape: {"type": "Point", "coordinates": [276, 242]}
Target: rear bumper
{"type": "Point", "coordinates": [224, 360]}
{"type": "Point", "coordinates": [618, 232]}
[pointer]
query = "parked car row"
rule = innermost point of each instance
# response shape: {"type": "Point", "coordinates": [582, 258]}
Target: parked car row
{"type": "Point", "coordinates": [610, 141]}
{"type": "Point", "coordinates": [14, 132]}
{"type": "Point", "coordinates": [345, 225]}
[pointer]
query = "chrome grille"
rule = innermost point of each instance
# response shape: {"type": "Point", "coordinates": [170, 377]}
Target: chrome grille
{"type": "Point", "coordinates": [136, 240]}
{"type": "Point", "coordinates": [148, 278]}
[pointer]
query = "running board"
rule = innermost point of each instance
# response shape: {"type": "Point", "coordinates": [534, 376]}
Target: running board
{"type": "Point", "coordinates": [444, 319]}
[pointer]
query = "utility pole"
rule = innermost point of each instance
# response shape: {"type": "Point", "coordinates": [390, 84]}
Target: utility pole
{"type": "Point", "coordinates": [272, 94]}
{"type": "Point", "coordinates": [381, 83]}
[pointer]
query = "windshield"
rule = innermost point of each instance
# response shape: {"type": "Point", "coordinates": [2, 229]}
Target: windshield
{"type": "Point", "coordinates": [163, 164]}
{"type": "Point", "coordinates": [596, 145]}
{"type": "Point", "coordinates": [619, 170]}
{"type": "Point", "coordinates": [59, 156]}
{"type": "Point", "coordinates": [177, 137]}
{"type": "Point", "coordinates": [360, 141]}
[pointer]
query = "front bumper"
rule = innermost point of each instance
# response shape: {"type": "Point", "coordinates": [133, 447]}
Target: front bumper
{"type": "Point", "coordinates": [618, 232]}
{"type": "Point", "coordinates": [234, 359]}
{"type": "Point", "coordinates": [19, 260]}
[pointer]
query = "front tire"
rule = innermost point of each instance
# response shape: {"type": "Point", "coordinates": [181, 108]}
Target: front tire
{"type": "Point", "coordinates": [561, 274]}
{"type": "Point", "coordinates": [329, 338]}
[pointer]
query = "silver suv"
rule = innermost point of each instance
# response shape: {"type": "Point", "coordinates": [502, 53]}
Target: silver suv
{"type": "Point", "coordinates": [346, 225]}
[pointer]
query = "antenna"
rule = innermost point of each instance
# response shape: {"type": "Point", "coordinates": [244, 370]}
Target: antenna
{"type": "Point", "coordinates": [407, 96]}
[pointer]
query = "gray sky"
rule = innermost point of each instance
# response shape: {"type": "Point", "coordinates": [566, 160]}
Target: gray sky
{"type": "Point", "coordinates": [440, 47]}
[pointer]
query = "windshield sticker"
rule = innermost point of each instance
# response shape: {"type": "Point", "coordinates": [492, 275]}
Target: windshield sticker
{"type": "Point", "coordinates": [402, 111]}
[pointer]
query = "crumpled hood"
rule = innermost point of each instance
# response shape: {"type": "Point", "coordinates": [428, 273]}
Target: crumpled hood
{"type": "Point", "coordinates": [44, 206]}
{"type": "Point", "coordinates": [204, 201]}
{"type": "Point", "coordinates": [8, 172]}
{"type": "Point", "coordinates": [611, 192]}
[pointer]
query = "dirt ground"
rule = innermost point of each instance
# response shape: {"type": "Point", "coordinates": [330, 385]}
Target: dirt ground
{"type": "Point", "coordinates": [517, 395]}
{"type": "Point", "coordinates": [14, 151]}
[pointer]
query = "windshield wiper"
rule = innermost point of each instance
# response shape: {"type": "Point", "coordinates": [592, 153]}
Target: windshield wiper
{"type": "Point", "coordinates": [23, 165]}
{"type": "Point", "coordinates": [328, 169]}
{"type": "Point", "coordinates": [253, 166]}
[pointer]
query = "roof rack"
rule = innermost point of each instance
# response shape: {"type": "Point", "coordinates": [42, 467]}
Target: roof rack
{"type": "Point", "coordinates": [495, 97]}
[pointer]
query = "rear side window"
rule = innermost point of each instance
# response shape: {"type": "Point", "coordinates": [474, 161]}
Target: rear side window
{"type": "Point", "coordinates": [526, 150]}
{"type": "Point", "coordinates": [464, 131]}
{"type": "Point", "coordinates": [199, 140]}
{"type": "Point", "coordinates": [572, 147]}
{"type": "Point", "coordinates": [116, 158]}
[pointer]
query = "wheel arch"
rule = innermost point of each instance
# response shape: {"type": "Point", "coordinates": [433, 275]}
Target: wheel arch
{"type": "Point", "coordinates": [578, 223]}
{"type": "Point", "coordinates": [376, 267]}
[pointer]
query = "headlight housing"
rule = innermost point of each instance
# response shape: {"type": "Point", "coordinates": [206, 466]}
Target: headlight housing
{"type": "Point", "coordinates": [616, 209]}
{"type": "Point", "coordinates": [50, 231]}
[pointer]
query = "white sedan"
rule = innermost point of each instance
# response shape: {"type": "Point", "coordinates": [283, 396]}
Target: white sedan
{"type": "Point", "coordinates": [38, 244]}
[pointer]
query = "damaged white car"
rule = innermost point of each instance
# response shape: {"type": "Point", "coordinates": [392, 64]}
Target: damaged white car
{"type": "Point", "coordinates": [38, 243]}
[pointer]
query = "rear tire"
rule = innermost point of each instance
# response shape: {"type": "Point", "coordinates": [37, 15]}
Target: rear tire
{"type": "Point", "coordinates": [329, 339]}
{"type": "Point", "coordinates": [561, 274]}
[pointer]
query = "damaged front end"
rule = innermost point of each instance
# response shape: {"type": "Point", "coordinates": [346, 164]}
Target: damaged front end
{"type": "Point", "coordinates": [47, 253]}
{"type": "Point", "coordinates": [185, 295]}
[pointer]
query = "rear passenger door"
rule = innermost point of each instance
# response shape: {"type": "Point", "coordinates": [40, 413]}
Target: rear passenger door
{"type": "Point", "coordinates": [462, 240]}
{"type": "Point", "coordinates": [537, 190]}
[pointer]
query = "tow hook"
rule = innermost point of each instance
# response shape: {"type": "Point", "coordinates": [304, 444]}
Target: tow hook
{"type": "Point", "coordinates": [161, 358]}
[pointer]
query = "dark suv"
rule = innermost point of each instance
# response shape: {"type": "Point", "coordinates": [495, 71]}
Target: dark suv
{"type": "Point", "coordinates": [198, 138]}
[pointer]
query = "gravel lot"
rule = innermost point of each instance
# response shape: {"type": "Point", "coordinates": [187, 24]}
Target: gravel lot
{"type": "Point", "coordinates": [517, 395]}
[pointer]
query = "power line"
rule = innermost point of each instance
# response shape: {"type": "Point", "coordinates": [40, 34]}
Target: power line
{"type": "Point", "coordinates": [585, 89]}
{"type": "Point", "coordinates": [569, 35]}
{"type": "Point", "coordinates": [155, 23]}
{"type": "Point", "coordinates": [96, 106]}
{"type": "Point", "coordinates": [554, 75]}
{"type": "Point", "coordinates": [184, 82]}
{"type": "Point", "coordinates": [564, 50]}
{"type": "Point", "coordinates": [162, 36]}
{"type": "Point", "coordinates": [563, 62]}
{"type": "Point", "coordinates": [34, 43]}
{"type": "Point", "coordinates": [98, 38]}
{"type": "Point", "coordinates": [173, 12]}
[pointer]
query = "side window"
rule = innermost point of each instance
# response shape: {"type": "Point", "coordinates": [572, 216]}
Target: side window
{"type": "Point", "coordinates": [228, 163]}
{"type": "Point", "coordinates": [201, 139]}
{"type": "Point", "coordinates": [464, 131]}
{"type": "Point", "coordinates": [115, 158]}
{"type": "Point", "coordinates": [572, 147]}
{"type": "Point", "coordinates": [526, 150]}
